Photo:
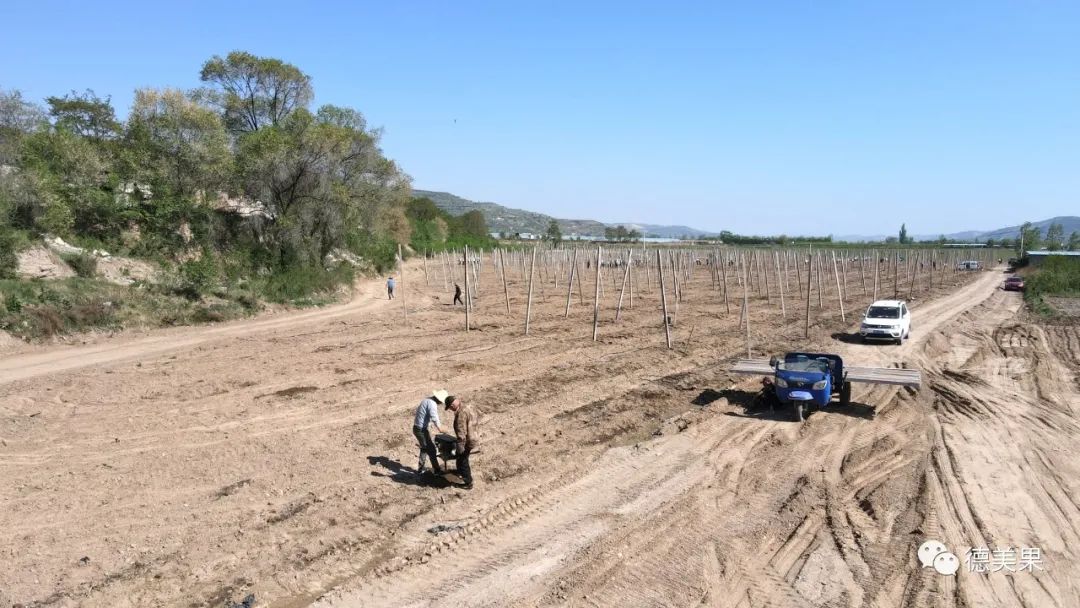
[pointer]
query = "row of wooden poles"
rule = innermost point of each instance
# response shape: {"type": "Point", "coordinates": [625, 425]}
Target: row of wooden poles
{"type": "Point", "coordinates": [764, 271]}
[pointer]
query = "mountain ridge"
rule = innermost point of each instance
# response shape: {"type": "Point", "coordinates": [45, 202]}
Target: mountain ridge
{"type": "Point", "coordinates": [514, 221]}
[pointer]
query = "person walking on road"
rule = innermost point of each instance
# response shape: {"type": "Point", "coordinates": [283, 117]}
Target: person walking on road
{"type": "Point", "coordinates": [457, 295]}
{"type": "Point", "coordinates": [467, 429]}
{"type": "Point", "coordinates": [390, 288]}
{"type": "Point", "coordinates": [427, 413]}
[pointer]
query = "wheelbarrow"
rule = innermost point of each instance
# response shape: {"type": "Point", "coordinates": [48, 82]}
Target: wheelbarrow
{"type": "Point", "coordinates": [445, 444]}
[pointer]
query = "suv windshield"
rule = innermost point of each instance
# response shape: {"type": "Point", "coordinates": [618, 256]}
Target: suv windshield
{"type": "Point", "coordinates": [883, 312]}
{"type": "Point", "coordinates": [803, 364]}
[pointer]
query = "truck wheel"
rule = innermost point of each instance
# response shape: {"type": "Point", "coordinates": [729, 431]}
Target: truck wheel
{"type": "Point", "coordinates": [845, 394]}
{"type": "Point", "coordinates": [798, 411]}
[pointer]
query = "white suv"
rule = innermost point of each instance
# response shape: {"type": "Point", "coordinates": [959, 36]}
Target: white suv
{"type": "Point", "coordinates": [886, 320]}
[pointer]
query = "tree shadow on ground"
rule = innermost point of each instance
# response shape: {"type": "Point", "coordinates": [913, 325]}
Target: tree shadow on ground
{"type": "Point", "coordinates": [402, 474]}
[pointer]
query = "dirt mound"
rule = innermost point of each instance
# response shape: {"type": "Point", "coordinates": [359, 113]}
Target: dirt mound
{"type": "Point", "coordinates": [39, 262]}
{"type": "Point", "coordinates": [124, 271]}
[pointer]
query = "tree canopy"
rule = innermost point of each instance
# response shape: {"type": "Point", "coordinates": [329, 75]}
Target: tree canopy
{"type": "Point", "coordinates": [244, 170]}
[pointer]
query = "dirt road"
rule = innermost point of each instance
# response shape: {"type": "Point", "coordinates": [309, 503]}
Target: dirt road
{"type": "Point", "coordinates": [277, 461]}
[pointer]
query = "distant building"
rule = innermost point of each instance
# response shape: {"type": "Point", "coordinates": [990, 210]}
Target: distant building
{"type": "Point", "coordinates": [963, 245]}
{"type": "Point", "coordinates": [1036, 258]}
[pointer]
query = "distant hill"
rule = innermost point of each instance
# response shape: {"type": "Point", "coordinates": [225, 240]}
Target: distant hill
{"type": "Point", "coordinates": [506, 219]}
{"type": "Point", "coordinates": [1068, 222]}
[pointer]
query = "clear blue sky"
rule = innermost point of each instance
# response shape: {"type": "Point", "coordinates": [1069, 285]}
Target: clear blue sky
{"type": "Point", "coordinates": [804, 117]}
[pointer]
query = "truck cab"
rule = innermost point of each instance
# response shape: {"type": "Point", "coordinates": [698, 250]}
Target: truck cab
{"type": "Point", "coordinates": [805, 379]}
{"type": "Point", "coordinates": [886, 320]}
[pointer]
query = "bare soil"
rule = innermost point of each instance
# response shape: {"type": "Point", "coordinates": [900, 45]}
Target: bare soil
{"type": "Point", "coordinates": [190, 467]}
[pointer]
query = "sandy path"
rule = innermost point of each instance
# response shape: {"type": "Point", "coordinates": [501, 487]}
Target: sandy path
{"type": "Point", "coordinates": [276, 461]}
{"type": "Point", "coordinates": [51, 360]}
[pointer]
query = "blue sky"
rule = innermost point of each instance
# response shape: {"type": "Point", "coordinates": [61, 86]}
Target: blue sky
{"type": "Point", "coordinates": [799, 117]}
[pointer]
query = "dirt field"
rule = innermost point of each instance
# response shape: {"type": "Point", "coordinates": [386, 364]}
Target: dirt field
{"type": "Point", "coordinates": [191, 467]}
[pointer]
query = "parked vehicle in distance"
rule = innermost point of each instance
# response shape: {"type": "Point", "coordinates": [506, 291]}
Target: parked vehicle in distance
{"type": "Point", "coordinates": [968, 265]}
{"type": "Point", "coordinates": [1014, 284]}
{"type": "Point", "coordinates": [886, 320]}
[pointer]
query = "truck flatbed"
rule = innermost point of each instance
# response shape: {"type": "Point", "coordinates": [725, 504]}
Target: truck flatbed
{"type": "Point", "coordinates": [868, 375]}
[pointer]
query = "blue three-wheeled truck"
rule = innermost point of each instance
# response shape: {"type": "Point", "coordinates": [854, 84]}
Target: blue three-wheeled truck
{"type": "Point", "coordinates": [805, 380]}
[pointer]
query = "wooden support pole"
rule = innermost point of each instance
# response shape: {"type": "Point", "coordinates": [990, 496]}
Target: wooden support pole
{"type": "Point", "coordinates": [843, 273]}
{"type": "Point", "coordinates": [596, 299]}
{"type": "Point", "coordinates": [663, 296]}
{"type": "Point", "coordinates": [765, 272]}
{"type": "Point", "coordinates": [877, 272]}
{"type": "Point", "coordinates": [506, 291]}
{"type": "Point", "coordinates": [746, 307]}
{"type": "Point", "coordinates": [896, 274]}
{"type": "Point", "coordinates": [799, 266]}
{"type": "Point", "coordinates": [401, 272]}
{"type": "Point", "coordinates": [819, 288]}
{"type": "Point", "coordinates": [862, 274]}
{"type": "Point", "coordinates": [532, 271]}
{"type": "Point", "coordinates": [780, 285]}
{"type": "Point", "coordinates": [839, 294]}
{"type": "Point", "coordinates": [468, 297]}
{"type": "Point", "coordinates": [625, 279]}
{"type": "Point", "coordinates": [570, 284]}
{"type": "Point", "coordinates": [914, 273]}
{"type": "Point", "coordinates": [806, 332]}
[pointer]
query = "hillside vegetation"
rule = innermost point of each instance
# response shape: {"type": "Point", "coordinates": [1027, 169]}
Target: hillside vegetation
{"type": "Point", "coordinates": [239, 192]}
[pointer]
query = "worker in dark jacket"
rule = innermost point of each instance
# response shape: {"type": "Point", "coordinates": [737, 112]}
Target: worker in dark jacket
{"type": "Point", "coordinates": [457, 295]}
{"type": "Point", "coordinates": [467, 429]}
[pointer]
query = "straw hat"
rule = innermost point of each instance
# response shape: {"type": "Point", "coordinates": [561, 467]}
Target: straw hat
{"type": "Point", "coordinates": [440, 394]}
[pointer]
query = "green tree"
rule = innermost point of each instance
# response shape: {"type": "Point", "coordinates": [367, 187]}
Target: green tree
{"type": "Point", "coordinates": [1030, 238]}
{"type": "Point", "coordinates": [903, 239]}
{"type": "Point", "coordinates": [1074, 241]}
{"type": "Point", "coordinates": [85, 114]}
{"type": "Point", "coordinates": [473, 224]}
{"type": "Point", "coordinates": [554, 233]}
{"type": "Point", "coordinates": [326, 184]}
{"type": "Point", "coordinates": [18, 119]}
{"type": "Point", "coordinates": [62, 185]}
{"type": "Point", "coordinates": [1055, 236]}
{"type": "Point", "coordinates": [255, 92]}
{"type": "Point", "coordinates": [177, 143]}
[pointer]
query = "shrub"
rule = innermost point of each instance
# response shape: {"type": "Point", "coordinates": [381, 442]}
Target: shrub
{"type": "Point", "coordinates": [299, 283]}
{"type": "Point", "coordinates": [9, 260]}
{"type": "Point", "coordinates": [199, 276]}
{"type": "Point", "coordinates": [1058, 275]}
{"type": "Point", "coordinates": [84, 264]}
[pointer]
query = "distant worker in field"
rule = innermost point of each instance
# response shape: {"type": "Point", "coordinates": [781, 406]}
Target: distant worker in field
{"type": "Point", "coordinates": [457, 295]}
{"type": "Point", "coordinates": [390, 288]}
{"type": "Point", "coordinates": [467, 430]}
{"type": "Point", "coordinates": [427, 413]}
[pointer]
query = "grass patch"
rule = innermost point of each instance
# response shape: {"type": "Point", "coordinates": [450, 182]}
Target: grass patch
{"type": "Point", "coordinates": [1057, 276]}
{"type": "Point", "coordinates": [306, 286]}
{"type": "Point", "coordinates": [36, 310]}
